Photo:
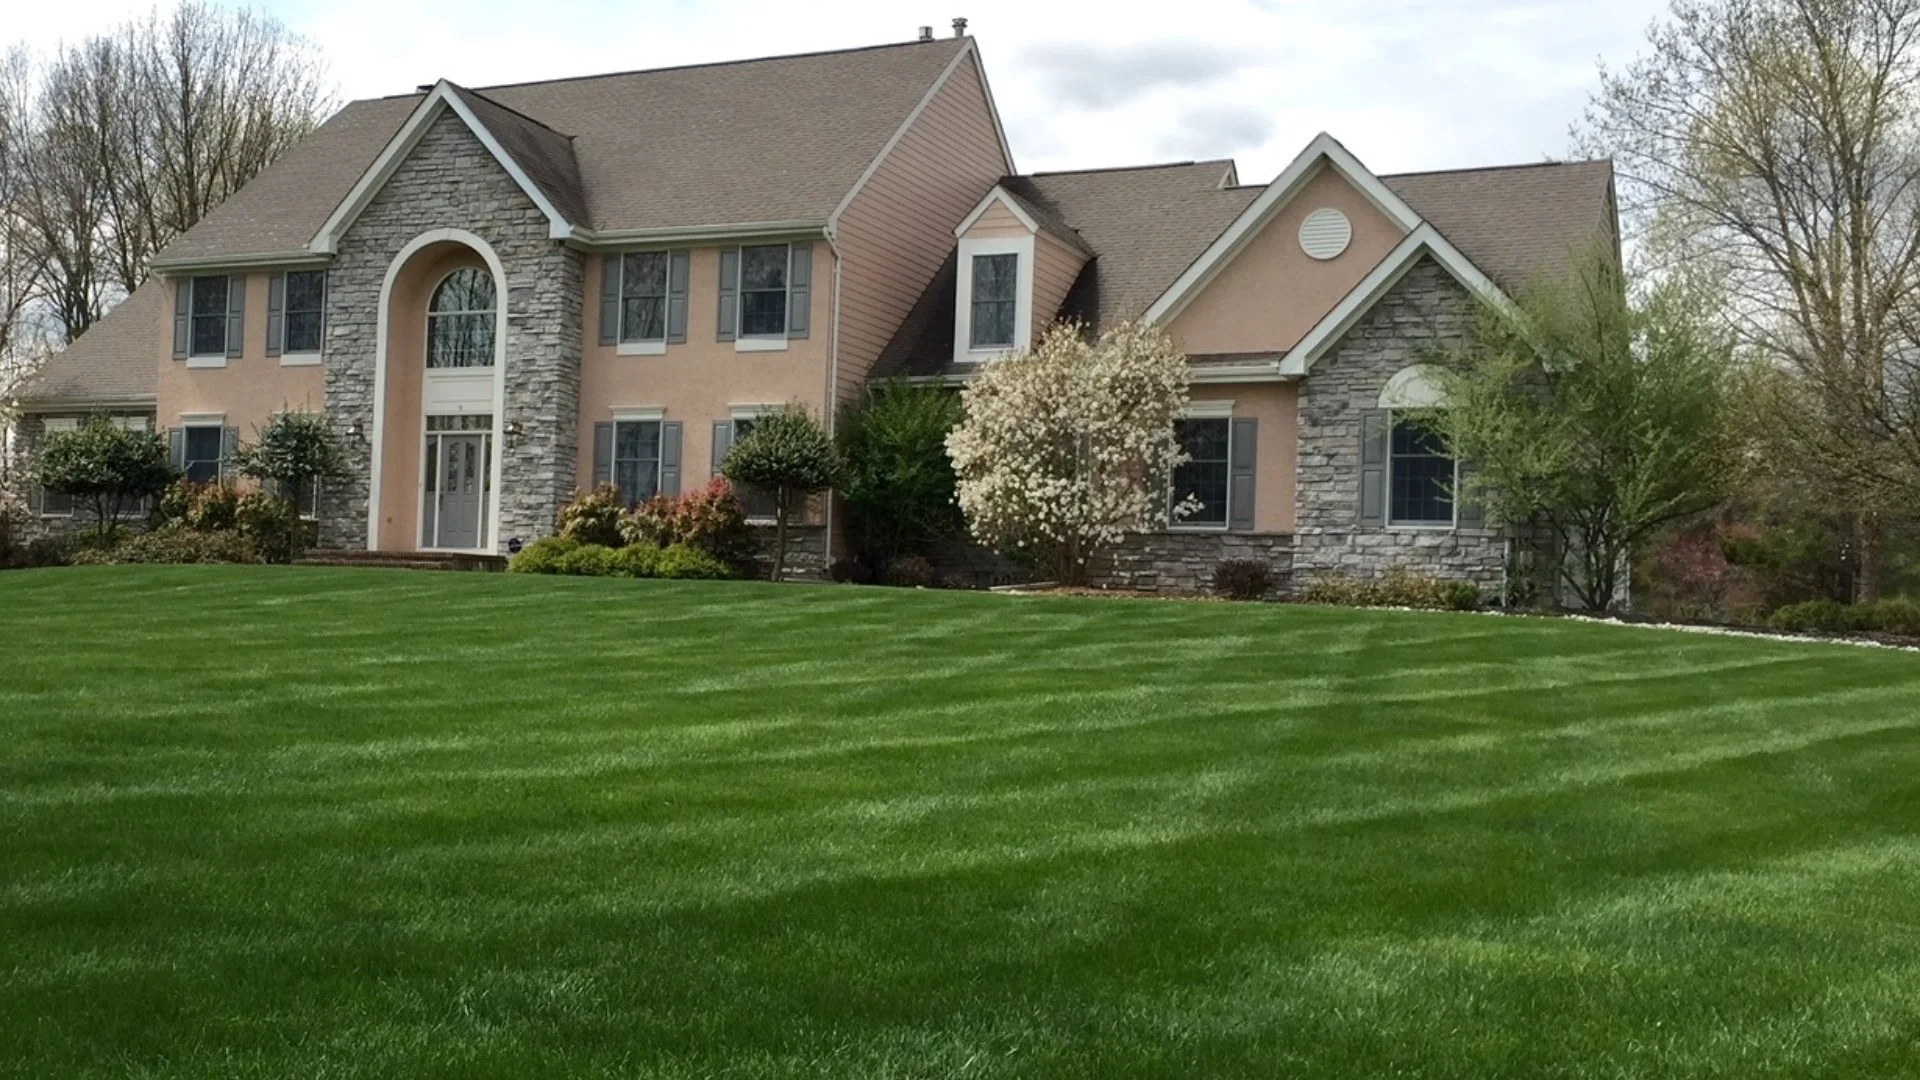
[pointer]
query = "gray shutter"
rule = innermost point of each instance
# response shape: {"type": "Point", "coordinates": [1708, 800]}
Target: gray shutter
{"type": "Point", "coordinates": [1242, 452]}
{"type": "Point", "coordinates": [729, 293]}
{"type": "Point", "coordinates": [236, 314]}
{"type": "Point", "coordinates": [602, 454]}
{"type": "Point", "coordinates": [678, 271]}
{"type": "Point", "coordinates": [670, 458]}
{"type": "Point", "coordinates": [1467, 514]}
{"type": "Point", "coordinates": [610, 299]}
{"type": "Point", "coordinates": [722, 442]}
{"type": "Point", "coordinates": [1374, 429]}
{"type": "Point", "coordinates": [799, 288]}
{"type": "Point", "coordinates": [177, 448]}
{"type": "Point", "coordinates": [276, 314]}
{"type": "Point", "coordinates": [182, 312]}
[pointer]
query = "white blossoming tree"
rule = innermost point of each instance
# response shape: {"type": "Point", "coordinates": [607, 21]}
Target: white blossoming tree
{"type": "Point", "coordinates": [1065, 447]}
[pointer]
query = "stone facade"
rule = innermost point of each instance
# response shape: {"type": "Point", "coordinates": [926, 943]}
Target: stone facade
{"type": "Point", "coordinates": [806, 552]}
{"type": "Point", "coordinates": [451, 181]}
{"type": "Point", "coordinates": [1425, 311]}
{"type": "Point", "coordinates": [1183, 562]}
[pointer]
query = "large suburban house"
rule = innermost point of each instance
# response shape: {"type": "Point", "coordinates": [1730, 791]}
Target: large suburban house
{"type": "Point", "coordinates": [498, 296]}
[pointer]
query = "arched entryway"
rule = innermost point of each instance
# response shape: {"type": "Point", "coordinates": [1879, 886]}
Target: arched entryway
{"type": "Point", "coordinates": [440, 377]}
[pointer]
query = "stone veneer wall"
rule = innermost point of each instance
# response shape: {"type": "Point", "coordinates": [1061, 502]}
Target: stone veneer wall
{"type": "Point", "coordinates": [451, 181]}
{"type": "Point", "coordinates": [806, 552]}
{"type": "Point", "coordinates": [1426, 310]}
{"type": "Point", "coordinates": [1183, 562]}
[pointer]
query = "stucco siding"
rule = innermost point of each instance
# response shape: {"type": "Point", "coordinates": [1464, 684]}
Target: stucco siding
{"type": "Point", "coordinates": [249, 389]}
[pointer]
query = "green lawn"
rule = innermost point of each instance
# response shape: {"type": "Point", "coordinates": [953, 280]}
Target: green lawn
{"type": "Point", "coordinates": [301, 823]}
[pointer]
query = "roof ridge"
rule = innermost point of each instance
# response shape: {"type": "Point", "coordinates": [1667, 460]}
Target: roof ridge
{"type": "Point", "coordinates": [1498, 168]}
{"type": "Point", "coordinates": [502, 106]}
{"type": "Point", "coordinates": [692, 67]}
{"type": "Point", "coordinates": [1127, 168]}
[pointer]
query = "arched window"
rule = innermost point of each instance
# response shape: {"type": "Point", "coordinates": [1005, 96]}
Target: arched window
{"type": "Point", "coordinates": [460, 320]}
{"type": "Point", "coordinates": [1422, 477]}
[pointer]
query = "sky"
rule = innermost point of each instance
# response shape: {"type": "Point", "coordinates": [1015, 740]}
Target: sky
{"type": "Point", "coordinates": [1405, 84]}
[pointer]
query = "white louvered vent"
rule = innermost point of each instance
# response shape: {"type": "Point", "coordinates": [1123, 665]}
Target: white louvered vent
{"type": "Point", "coordinates": [1325, 233]}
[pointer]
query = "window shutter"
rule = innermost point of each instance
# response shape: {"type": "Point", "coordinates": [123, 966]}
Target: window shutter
{"type": "Point", "coordinates": [602, 454]}
{"type": "Point", "coordinates": [678, 271]}
{"type": "Point", "coordinates": [670, 458]}
{"type": "Point", "coordinates": [177, 448]}
{"type": "Point", "coordinates": [236, 314]}
{"type": "Point", "coordinates": [799, 288]}
{"type": "Point", "coordinates": [182, 308]}
{"type": "Point", "coordinates": [722, 442]}
{"type": "Point", "coordinates": [229, 442]}
{"type": "Point", "coordinates": [1374, 430]}
{"type": "Point", "coordinates": [1242, 452]}
{"type": "Point", "coordinates": [729, 293]}
{"type": "Point", "coordinates": [1467, 514]}
{"type": "Point", "coordinates": [276, 314]}
{"type": "Point", "coordinates": [610, 299]}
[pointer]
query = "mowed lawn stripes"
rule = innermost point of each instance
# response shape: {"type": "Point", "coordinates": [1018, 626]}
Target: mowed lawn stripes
{"type": "Point", "coordinates": [274, 822]}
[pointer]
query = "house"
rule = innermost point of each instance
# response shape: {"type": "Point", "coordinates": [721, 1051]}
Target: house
{"type": "Point", "coordinates": [500, 295]}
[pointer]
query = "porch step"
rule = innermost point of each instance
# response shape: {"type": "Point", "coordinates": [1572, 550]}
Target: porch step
{"type": "Point", "coordinates": [405, 560]}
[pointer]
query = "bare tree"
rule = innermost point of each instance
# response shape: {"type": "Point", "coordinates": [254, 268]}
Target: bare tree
{"type": "Point", "coordinates": [1775, 146]}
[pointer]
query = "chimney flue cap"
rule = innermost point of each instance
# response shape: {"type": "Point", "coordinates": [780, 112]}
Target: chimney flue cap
{"type": "Point", "coordinates": [926, 33]}
{"type": "Point", "coordinates": [960, 26]}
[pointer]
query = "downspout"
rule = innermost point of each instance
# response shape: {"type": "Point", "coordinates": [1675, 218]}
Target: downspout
{"type": "Point", "coordinates": [833, 378]}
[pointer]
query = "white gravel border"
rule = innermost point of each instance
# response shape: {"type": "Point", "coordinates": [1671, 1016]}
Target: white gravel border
{"type": "Point", "coordinates": [1721, 631]}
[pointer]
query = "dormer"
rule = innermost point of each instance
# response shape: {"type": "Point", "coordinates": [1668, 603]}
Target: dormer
{"type": "Point", "coordinates": [1015, 264]}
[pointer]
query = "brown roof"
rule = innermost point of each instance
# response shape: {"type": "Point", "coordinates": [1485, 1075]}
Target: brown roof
{"type": "Point", "coordinates": [1518, 222]}
{"type": "Point", "coordinates": [777, 139]}
{"type": "Point", "coordinates": [115, 360]}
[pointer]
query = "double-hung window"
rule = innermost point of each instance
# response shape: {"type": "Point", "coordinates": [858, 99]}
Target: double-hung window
{"type": "Point", "coordinates": [1206, 476]}
{"type": "Point", "coordinates": [207, 318]}
{"type": "Point", "coordinates": [57, 503]}
{"type": "Point", "coordinates": [636, 459]}
{"type": "Point", "coordinates": [306, 301]}
{"type": "Point", "coordinates": [1421, 475]}
{"type": "Point", "coordinates": [643, 297]}
{"type": "Point", "coordinates": [995, 300]}
{"type": "Point", "coordinates": [202, 460]}
{"type": "Point", "coordinates": [763, 290]}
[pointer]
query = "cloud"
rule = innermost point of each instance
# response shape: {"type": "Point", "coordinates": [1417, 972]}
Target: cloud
{"type": "Point", "coordinates": [1217, 131]}
{"type": "Point", "coordinates": [1102, 77]}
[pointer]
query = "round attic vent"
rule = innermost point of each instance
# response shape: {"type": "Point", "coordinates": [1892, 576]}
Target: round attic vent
{"type": "Point", "coordinates": [1325, 233]}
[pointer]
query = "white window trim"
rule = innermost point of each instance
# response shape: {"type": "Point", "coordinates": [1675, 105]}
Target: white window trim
{"type": "Point", "coordinates": [640, 348]}
{"type": "Point", "coordinates": [743, 342]}
{"type": "Point", "coordinates": [623, 413]}
{"type": "Point", "coordinates": [1207, 410]}
{"type": "Point", "coordinates": [1417, 526]}
{"type": "Point", "coordinates": [218, 422]}
{"type": "Point", "coordinates": [640, 416]}
{"type": "Point", "coordinates": [647, 347]}
{"type": "Point", "coordinates": [304, 359]}
{"type": "Point", "coordinates": [308, 357]}
{"type": "Point", "coordinates": [1022, 246]}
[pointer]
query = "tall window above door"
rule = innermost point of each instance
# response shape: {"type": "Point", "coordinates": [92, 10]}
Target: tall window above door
{"type": "Point", "coordinates": [460, 320]}
{"type": "Point", "coordinates": [995, 299]}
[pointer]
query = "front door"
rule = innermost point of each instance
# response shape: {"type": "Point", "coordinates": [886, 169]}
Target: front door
{"type": "Point", "coordinates": [457, 489]}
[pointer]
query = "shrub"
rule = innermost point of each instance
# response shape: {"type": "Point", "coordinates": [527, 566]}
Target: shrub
{"type": "Point", "coordinates": [1242, 579]}
{"type": "Point", "coordinates": [176, 502]}
{"type": "Point", "coordinates": [856, 569]}
{"type": "Point", "coordinates": [271, 525]}
{"type": "Point", "coordinates": [1400, 588]}
{"type": "Point", "coordinates": [593, 517]}
{"type": "Point", "coordinates": [211, 507]}
{"type": "Point", "coordinates": [710, 519]}
{"type": "Point", "coordinates": [789, 456]}
{"type": "Point", "coordinates": [899, 483]}
{"type": "Point", "coordinates": [637, 560]}
{"type": "Point", "coordinates": [1898, 616]}
{"type": "Point", "coordinates": [909, 572]}
{"type": "Point", "coordinates": [172, 543]}
{"type": "Point", "coordinates": [686, 562]}
{"type": "Point", "coordinates": [587, 560]}
{"type": "Point", "coordinates": [542, 556]}
{"type": "Point", "coordinates": [106, 467]}
{"type": "Point", "coordinates": [289, 454]}
{"type": "Point", "coordinates": [1814, 616]}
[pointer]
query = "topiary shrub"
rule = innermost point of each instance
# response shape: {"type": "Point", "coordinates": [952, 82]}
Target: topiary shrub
{"type": "Point", "coordinates": [1815, 617]}
{"type": "Point", "coordinates": [172, 543]}
{"type": "Point", "coordinates": [908, 572]}
{"type": "Point", "coordinates": [271, 525]}
{"type": "Point", "coordinates": [637, 561]}
{"type": "Point", "coordinates": [689, 563]}
{"type": "Point", "coordinates": [710, 519]}
{"type": "Point", "coordinates": [593, 517]}
{"type": "Point", "coordinates": [788, 455]}
{"type": "Point", "coordinates": [1400, 588]}
{"type": "Point", "coordinates": [1242, 579]}
{"type": "Point", "coordinates": [542, 556]}
{"type": "Point", "coordinates": [587, 560]}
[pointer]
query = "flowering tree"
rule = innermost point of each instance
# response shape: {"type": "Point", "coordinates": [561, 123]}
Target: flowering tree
{"type": "Point", "coordinates": [1066, 447]}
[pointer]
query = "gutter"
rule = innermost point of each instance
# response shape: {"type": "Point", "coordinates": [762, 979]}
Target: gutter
{"type": "Point", "coordinates": [748, 230]}
{"type": "Point", "coordinates": [271, 260]}
{"type": "Point", "coordinates": [51, 405]}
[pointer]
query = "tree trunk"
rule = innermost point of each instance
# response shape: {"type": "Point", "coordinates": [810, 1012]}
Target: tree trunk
{"type": "Point", "coordinates": [1867, 571]}
{"type": "Point", "coordinates": [780, 511]}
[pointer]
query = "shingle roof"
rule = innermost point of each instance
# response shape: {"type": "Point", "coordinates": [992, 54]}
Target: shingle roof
{"type": "Point", "coordinates": [115, 360]}
{"type": "Point", "coordinates": [775, 139]}
{"type": "Point", "coordinates": [1516, 222]}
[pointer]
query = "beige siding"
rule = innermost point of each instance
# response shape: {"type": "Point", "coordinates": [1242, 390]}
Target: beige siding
{"type": "Point", "coordinates": [996, 221]}
{"type": "Point", "coordinates": [898, 230]}
{"type": "Point", "coordinates": [1055, 266]}
{"type": "Point", "coordinates": [252, 387]}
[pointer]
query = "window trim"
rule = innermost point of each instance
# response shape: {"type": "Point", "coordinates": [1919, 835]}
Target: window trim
{"type": "Point", "coordinates": [494, 326]}
{"type": "Point", "coordinates": [1021, 246]}
{"type": "Point", "coordinates": [1453, 501]}
{"type": "Point", "coordinates": [1207, 410]}
{"type": "Point", "coordinates": [749, 413]}
{"type": "Point", "coordinates": [974, 301]}
{"type": "Point", "coordinates": [48, 426]}
{"type": "Point", "coordinates": [768, 342]}
{"type": "Point", "coordinates": [217, 425]}
{"type": "Point", "coordinates": [308, 357]}
{"type": "Point", "coordinates": [656, 417]}
{"type": "Point", "coordinates": [642, 346]}
{"type": "Point", "coordinates": [216, 359]}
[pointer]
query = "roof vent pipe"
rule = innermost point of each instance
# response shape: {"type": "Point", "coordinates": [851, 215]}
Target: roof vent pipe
{"type": "Point", "coordinates": [960, 27]}
{"type": "Point", "coordinates": [926, 33]}
{"type": "Point", "coordinates": [424, 88]}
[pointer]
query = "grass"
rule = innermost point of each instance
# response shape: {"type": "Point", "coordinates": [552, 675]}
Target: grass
{"type": "Point", "coordinates": [261, 822]}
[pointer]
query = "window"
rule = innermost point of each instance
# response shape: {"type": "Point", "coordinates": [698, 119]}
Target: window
{"type": "Point", "coordinates": [763, 291]}
{"type": "Point", "coordinates": [208, 333]}
{"type": "Point", "coordinates": [1420, 474]}
{"type": "Point", "coordinates": [758, 503]}
{"type": "Point", "coordinates": [305, 308]}
{"type": "Point", "coordinates": [643, 296]}
{"type": "Point", "coordinates": [1206, 475]}
{"type": "Point", "coordinates": [57, 503]}
{"type": "Point", "coordinates": [460, 321]}
{"type": "Point", "coordinates": [202, 462]}
{"type": "Point", "coordinates": [636, 459]}
{"type": "Point", "coordinates": [995, 281]}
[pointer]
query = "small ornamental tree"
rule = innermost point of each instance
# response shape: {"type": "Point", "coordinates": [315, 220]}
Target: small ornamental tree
{"type": "Point", "coordinates": [290, 453]}
{"type": "Point", "coordinates": [105, 467]}
{"type": "Point", "coordinates": [788, 455]}
{"type": "Point", "coordinates": [1066, 447]}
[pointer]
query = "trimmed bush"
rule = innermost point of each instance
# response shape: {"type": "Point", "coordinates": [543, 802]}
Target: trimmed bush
{"type": "Point", "coordinates": [637, 560]}
{"type": "Point", "coordinates": [686, 562]}
{"type": "Point", "coordinates": [587, 560]}
{"type": "Point", "coordinates": [1242, 579]}
{"type": "Point", "coordinates": [710, 519]}
{"type": "Point", "coordinates": [173, 543]}
{"type": "Point", "coordinates": [211, 507]}
{"type": "Point", "coordinates": [271, 525]}
{"type": "Point", "coordinates": [908, 572]}
{"type": "Point", "coordinates": [1400, 588]}
{"type": "Point", "coordinates": [1900, 617]}
{"type": "Point", "coordinates": [542, 556]}
{"type": "Point", "coordinates": [593, 517]}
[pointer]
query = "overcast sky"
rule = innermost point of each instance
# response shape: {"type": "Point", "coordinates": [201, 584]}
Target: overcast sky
{"type": "Point", "coordinates": [1406, 84]}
